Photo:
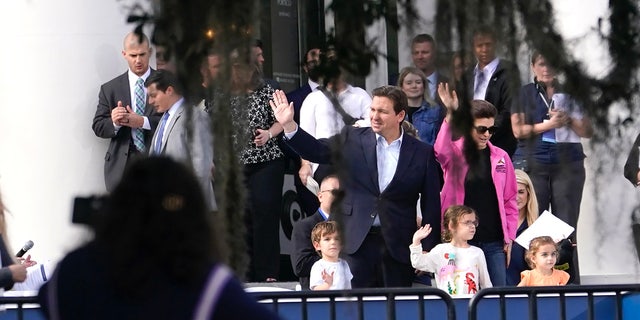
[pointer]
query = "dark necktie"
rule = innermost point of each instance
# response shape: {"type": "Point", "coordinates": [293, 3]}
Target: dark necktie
{"type": "Point", "coordinates": [157, 147]}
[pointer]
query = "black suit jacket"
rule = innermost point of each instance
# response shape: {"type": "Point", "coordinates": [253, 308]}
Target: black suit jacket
{"type": "Point", "coordinates": [415, 175]}
{"type": "Point", "coordinates": [6, 277]}
{"type": "Point", "coordinates": [118, 153]}
{"type": "Point", "coordinates": [502, 87]}
{"type": "Point", "coordinates": [304, 254]}
{"type": "Point", "coordinates": [297, 97]}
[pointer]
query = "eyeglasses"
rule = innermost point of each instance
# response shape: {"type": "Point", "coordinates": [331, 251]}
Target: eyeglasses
{"type": "Point", "coordinates": [483, 129]}
{"type": "Point", "coordinates": [469, 223]}
{"type": "Point", "coordinates": [333, 191]}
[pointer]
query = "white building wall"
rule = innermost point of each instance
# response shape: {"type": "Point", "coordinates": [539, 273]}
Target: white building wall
{"type": "Point", "coordinates": [54, 57]}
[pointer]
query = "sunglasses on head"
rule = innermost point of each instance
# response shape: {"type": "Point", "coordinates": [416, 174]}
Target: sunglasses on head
{"type": "Point", "coordinates": [483, 129]}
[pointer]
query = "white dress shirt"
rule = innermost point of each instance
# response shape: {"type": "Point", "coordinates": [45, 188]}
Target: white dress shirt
{"type": "Point", "coordinates": [387, 155]}
{"type": "Point", "coordinates": [319, 118]}
{"type": "Point", "coordinates": [480, 89]}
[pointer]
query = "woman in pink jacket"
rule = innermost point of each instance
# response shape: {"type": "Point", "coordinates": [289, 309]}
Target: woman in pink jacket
{"type": "Point", "coordinates": [487, 184]}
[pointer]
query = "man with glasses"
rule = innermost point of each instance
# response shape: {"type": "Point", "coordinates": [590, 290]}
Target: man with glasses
{"type": "Point", "coordinates": [304, 255]}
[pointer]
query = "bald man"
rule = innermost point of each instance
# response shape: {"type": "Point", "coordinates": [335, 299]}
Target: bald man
{"type": "Point", "coordinates": [122, 115]}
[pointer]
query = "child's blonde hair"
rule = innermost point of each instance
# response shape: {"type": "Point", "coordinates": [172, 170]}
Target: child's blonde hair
{"type": "Point", "coordinates": [452, 216]}
{"type": "Point", "coordinates": [534, 247]}
{"type": "Point", "coordinates": [321, 229]}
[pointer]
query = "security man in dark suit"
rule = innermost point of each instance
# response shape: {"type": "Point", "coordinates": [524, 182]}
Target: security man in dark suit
{"type": "Point", "coordinates": [122, 114]}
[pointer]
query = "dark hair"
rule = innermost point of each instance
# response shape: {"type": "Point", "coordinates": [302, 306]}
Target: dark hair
{"type": "Point", "coordinates": [395, 94]}
{"type": "Point", "coordinates": [258, 43]}
{"type": "Point", "coordinates": [156, 223]}
{"type": "Point", "coordinates": [482, 109]}
{"type": "Point", "coordinates": [535, 55]}
{"type": "Point", "coordinates": [306, 54]}
{"type": "Point", "coordinates": [485, 30]}
{"type": "Point", "coordinates": [452, 216]}
{"type": "Point", "coordinates": [163, 80]}
{"type": "Point", "coordinates": [421, 38]}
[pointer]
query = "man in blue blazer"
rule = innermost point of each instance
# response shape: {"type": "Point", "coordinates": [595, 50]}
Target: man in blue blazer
{"type": "Point", "coordinates": [307, 200]}
{"type": "Point", "coordinates": [386, 173]}
{"type": "Point", "coordinates": [116, 118]}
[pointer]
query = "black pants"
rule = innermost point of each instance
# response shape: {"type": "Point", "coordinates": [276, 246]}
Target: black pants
{"type": "Point", "coordinates": [560, 185]}
{"type": "Point", "coordinates": [372, 265]}
{"type": "Point", "coordinates": [264, 185]}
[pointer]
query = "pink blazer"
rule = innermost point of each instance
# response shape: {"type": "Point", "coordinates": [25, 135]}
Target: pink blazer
{"type": "Point", "coordinates": [449, 155]}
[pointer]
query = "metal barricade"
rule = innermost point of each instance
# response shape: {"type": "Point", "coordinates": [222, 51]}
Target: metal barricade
{"type": "Point", "coordinates": [360, 296]}
{"type": "Point", "coordinates": [533, 294]}
{"type": "Point", "coordinates": [19, 301]}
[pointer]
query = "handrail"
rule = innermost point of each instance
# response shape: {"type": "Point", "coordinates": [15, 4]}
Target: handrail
{"type": "Point", "coordinates": [533, 292]}
{"type": "Point", "coordinates": [360, 294]}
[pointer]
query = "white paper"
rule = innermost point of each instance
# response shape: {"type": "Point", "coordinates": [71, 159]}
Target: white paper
{"type": "Point", "coordinates": [562, 102]}
{"type": "Point", "coordinates": [546, 225]}
{"type": "Point", "coordinates": [312, 185]}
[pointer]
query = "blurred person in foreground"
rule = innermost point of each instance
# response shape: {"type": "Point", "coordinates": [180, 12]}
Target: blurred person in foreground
{"type": "Point", "coordinates": [10, 271]}
{"type": "Point", "coordinates": [154, 256]}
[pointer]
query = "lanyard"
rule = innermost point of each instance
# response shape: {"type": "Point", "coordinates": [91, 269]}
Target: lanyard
{"type": "Point", "coordinates": [544, 99]}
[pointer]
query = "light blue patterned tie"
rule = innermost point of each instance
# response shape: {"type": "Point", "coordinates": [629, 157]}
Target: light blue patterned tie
{"type": "Point", "coordinates": [157, 147]}
{"type": "Point", "coordinates": [138, 133]}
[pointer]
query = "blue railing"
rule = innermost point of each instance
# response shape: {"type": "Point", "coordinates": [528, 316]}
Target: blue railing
{"type": "Point", "coordinates": [314, 304]}
{"type": "Point", "coordinates": [19, 301]}
{"type": "Point", "coordinates": [539, 306]}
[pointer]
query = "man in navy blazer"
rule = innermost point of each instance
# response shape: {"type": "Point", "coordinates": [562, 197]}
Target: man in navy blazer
{"type": "Point", "coordinates": [115, 118]}
{"type": "Point", "coordinates": [308, 201]}
{"type": "Point", "coordinates": [386, 173]}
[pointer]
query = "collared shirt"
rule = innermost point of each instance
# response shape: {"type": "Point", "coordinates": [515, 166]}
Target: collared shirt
{"type": "Point", "coordinates": [324, 215]}
{"type": "Point", "coordinates": [480, 89]}
{"type": "Point", "coordinates": [387, 155]}
{"type": "Point", "coordinates": [319, 117]}
{"type": "Point", "coordinates": [432, 81]}
{"type": "Point", "coordinates": [313, 85]}
{"type": "Point", "coordinates": [172, 112]}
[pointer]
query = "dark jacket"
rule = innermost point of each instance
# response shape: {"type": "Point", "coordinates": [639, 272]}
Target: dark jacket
{"type": "Point", "coordinates": [416, 175]}
{"type": "Point", "coordinates": [304, 255]}
{"type": "Point", "coordinates": [118, 152]}
{"type": "Point", "coordinates": [503, 86]}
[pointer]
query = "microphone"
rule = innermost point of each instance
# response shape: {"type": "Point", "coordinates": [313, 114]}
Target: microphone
{"type": "Point", "coordinates": [27, 246]}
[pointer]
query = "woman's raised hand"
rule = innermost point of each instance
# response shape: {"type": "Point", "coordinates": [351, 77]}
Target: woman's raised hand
{"type": "Point", "coordinates": [282, 109]}
{"type": "Point", "coordinates": [449, 98]}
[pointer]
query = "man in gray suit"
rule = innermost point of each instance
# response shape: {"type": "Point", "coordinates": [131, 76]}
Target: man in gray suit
{"type": "Point", "coordinates": [184, 133]}
{"type": "Point", "coordinates": [122, 115]}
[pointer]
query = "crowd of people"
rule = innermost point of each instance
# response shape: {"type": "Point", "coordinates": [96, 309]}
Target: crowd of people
{"type": "Point", "coordinates": [495, 144]}
{"type": "Point", "coordinates": [468, 161]}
